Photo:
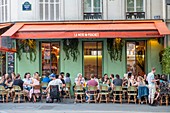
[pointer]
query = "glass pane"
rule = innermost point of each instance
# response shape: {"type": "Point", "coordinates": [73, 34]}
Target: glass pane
{"type": "Point", "coordinates": [57, 11]}
{"type": "Point", "coordinates": [87, 6]}
{"type": "Point", "coordinates": [41, 11]}
{"type": "Point", "coordinates": [46, 0]}
{"type": "Point", "coordinates": [41, 0]}
{"type": "Point", "coordinates": [130, 5]}
{"type": "Point", "coordinates": [139, 6]}
{"type": "Point", "coordinates": [52, 1]}
{"type": "Point", "coordinates": [57, 0]}
{"type": "Point", "coordinates": [6, 15]}
{"type": "Point", "coordinates": [51, 11]}
{"type": "Point", "coordinates": [2, 13]}
{"type": "Point", "coordinates": [55, 50]}
{"type": "Point", "coordinates": [97, 6]}
{"type": "Point", "coordinates": [50, 57]}
{"type": "Point", "coordinates": [92, 59]}
{"type": "Point", "coordinates": [46, 58]}
{"type": "Point", "coordinates": [136, 57]}
{"type": "Point", "coordinates": [46, 12]}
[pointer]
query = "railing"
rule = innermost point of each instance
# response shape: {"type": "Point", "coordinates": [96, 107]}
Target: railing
{"type": "Point", "coordinates": [135, 15]}
{"type": "Point", "coordinates": [93, 16]}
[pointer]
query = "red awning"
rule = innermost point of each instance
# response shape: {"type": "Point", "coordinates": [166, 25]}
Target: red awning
{"type": "Point", "coordinates": [88, 29]}
{"type": "Point", "coordinates": [3, 27]}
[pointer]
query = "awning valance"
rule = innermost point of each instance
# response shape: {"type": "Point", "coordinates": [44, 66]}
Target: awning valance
{"type": "Point", "coordinates": [88, 29]}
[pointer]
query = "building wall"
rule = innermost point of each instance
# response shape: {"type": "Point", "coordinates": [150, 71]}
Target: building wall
{"type": "Point", "coordinates": [73, 10]}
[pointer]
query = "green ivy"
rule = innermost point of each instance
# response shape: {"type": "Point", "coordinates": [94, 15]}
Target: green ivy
{"type": "Point", "coordinates": [166, 61]}
{"type": "Point", "coordinates": [115, 48]}
{"type": "Point", "coordinates": [70, 47]}
{"type": "Point", "coordinates": [29, 47]}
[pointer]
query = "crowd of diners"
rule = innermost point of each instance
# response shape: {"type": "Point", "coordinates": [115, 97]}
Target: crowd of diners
{"type": "Point", "coordinates": [111, 81]}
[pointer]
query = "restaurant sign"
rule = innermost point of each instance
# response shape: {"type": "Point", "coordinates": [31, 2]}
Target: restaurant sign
{"type": "Point", "coordinates": [26, 6]}
{"type": "Point", "coordinates": [86, 34]}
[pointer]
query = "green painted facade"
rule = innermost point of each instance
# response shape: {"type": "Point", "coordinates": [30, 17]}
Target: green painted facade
{"type": "Point", "coordinates": [115, 67]}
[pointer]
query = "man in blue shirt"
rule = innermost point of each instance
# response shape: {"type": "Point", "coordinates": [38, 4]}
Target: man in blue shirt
{"type": "Point", "coordinates": [151, 84]}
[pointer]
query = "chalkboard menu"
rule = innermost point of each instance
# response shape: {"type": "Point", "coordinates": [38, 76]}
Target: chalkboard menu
{"type": "Point", "coordinates": [10, 62]}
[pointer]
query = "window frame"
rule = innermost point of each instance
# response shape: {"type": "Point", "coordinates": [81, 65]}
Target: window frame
{"type": "Point", "coordinates": [135, 8]}
{"type": "Point", "coordinates": [48, 3]}
{"type": "Point", "coordinates": [5, 13]}
{"type": "Point", "coordinates": [92, 7]}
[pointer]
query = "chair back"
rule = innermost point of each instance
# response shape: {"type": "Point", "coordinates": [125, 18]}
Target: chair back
{"type": "Point", "coordinates": [78, 88]}
{"type": "Point", "coordinates": [103, 88]}
{"type": "Point", "coordinates": [37, 87]}
{"type": "Point", "coordinates": [68, 85]}
{"type": "Point", "coordinates": [132, 89]}
{"type": "Point", "coordinates": [16, 88]}
{"type": "Point", "coordinates": [2, 88]}
{"type": "Point", "coordinates": [118, 88]}
{"type": "Point", "coordinates": [92, 88]}
{"type": "Point", "coordinates": [44, 84]}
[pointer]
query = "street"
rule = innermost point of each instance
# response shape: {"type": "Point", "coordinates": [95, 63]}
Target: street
{"type": "Point", "coordinates": [80, 108]}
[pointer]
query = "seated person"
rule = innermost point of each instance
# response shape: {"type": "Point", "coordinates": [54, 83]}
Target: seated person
{"type": "Point", "coordinates": [54, 81]}
{"type": "Point", "coordinates": [18, 81]}
{"type": "Point", "coordinates": [27, 80]}
{"type": "Point", "coordinates": [79, 79]}
{"type": "Point", "coordinates": [117, 81]}
{"type": "Point", "coordinates": [91, 82]}
{"type": "Point", "coordinates": [46, 79]}
{"type": "Point", "coordinates": [67, 78]}
{"type": "Point", "coordinates": [35, 81]}
{"type": "Point", "coordinates": [140, 82]}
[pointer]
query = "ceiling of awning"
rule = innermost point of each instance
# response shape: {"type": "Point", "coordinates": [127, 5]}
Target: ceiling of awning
{"type": "Point", "coordinates": [88, 29]}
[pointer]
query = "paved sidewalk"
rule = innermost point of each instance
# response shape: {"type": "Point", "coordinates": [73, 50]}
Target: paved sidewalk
{"type": "Point", "coordinates": [80, 108]}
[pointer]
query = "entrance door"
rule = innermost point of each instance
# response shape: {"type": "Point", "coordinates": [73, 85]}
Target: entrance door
{"type": "Point", "coordinates": [92, 59]}
{"type": "Point", "coordinates": [136, 57]}
{"type": "Point", "coordinates": [50, 57]}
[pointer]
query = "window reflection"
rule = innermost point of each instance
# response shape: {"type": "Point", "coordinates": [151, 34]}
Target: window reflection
{"type": "Point", "coordinates": [50, 57]}
{"type": "Point", "coordinates": [92, 59]}
{"type": "Point", "coordinates": [136, 57]}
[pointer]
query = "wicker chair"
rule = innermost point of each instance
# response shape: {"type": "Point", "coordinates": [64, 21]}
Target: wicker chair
{"type": "Point", "coordinates": [4, 93]}
{"type": "Point", "coordinates": [78, 89]}
{"type": "Point", "coordinates": [104, 93]}
{"type": "Point", "coordinates": [132, 92]}
{"type": "Point", "coordinates": [18, 93]}
{"type": "Point", "coordinates": [117, 92]}
{"type": "Point", "coordinates": [67, 90]}
{"type": "Point", "coordinates": [92, 92]}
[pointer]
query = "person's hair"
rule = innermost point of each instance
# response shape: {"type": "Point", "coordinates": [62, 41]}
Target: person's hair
{"type": "Point", "coordinates": [129, 75]}
{"type": "Point", "coordinates": [56, 76]}
{"type": "Point", "coordinates": [13, 74]}
{"type": "Point", "coordinates": [140, 78]}
{"type": "Point", "coordinates": [17, 76]}
{"type": "Point", "coordinates": [9, 77]}
{"type": "Point", "coordinates": [117, 76]}
{"type": "Point", "coordinates": [67, 74]}
{"type": "Point", "coordinates": [92, 75]}
{"type": "Point", "coordinates": [153, 68]}
{"type": "Point", "coordinates": [61, 73]}
{"type": "Point", "coordinates": [112, 75]}
{"type": "Point", "coordinates": [105, 74]}
{"type": "Point", "coordinates": [36, 77]}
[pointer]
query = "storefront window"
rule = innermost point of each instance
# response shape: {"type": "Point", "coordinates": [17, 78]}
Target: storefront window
{"type": "Point", "coordinates": [2, 63]}
{"type": "Point", "coordinates": [50, 57]}
{"type": "Point", "coordinates": [136, 57]}
{"type": "Point", "coordinates": [92, 59]}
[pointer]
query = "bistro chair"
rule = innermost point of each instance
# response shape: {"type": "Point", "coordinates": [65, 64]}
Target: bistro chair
{"type": "Point", "coordinates": [18, 93]}
{"type": "Point", "coordinates": [79, 92]}
{"type": "Point", "coordinates": [117, 93]}
{"type": "Point", "coordinates": [104, 93]}
{"type": "Point", "coordinates": [43, 88]}
{"type": "Point", "coordinates": [4, 93]}
{"type": "Point", "coordinates": [67, 90]}
{"type": "Point", "coordinates": [37, 87]}
{"type": "Point", "coordinates": [92, 93]}
{"type": "Point", "coordinates": [132, 93]}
